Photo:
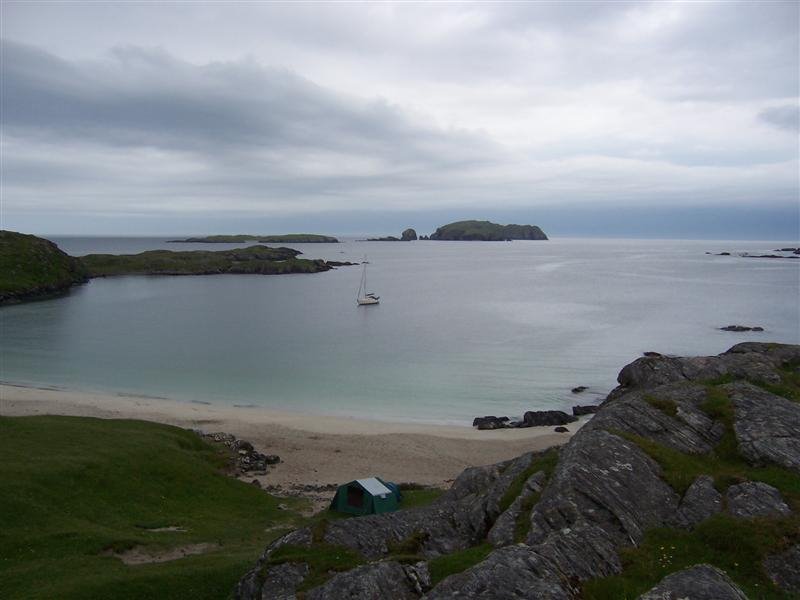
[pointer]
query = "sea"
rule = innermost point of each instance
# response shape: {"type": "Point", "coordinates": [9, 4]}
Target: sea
{"type": "Point", "coordinates": [462, 329]}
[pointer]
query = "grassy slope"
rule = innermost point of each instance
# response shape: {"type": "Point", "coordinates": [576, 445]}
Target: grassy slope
{"type": "Point", "coordinates": [735, 545]}
{"type": "Point", "coordinates": [30, 264]}
{"type": "Point", "coordinates": [74, 487]}
{"type": "Point", "coordinates": [255, 259]}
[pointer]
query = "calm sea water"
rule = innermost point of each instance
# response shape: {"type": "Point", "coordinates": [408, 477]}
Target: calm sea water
{"type": "Point", "coordinates": [463, 329]}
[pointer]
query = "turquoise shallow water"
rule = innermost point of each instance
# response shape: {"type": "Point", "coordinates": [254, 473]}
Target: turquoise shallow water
{"type": "Point", "coordinates": [462, 329]}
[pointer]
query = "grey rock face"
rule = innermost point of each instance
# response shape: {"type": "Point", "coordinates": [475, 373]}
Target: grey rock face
{"type": "Point", "coordinates": [502, 532]}
{"type": "Point", "coordinates": [700, 502]}
{"type": "Point", "coordinates": [784, 569]}
{"type": "Point", "coordinates": [375, 581]}
{"type": "Point", "coordinates": [755, 499]}
{"type": "Point", "coordinates": [750, 360]}
{"type": "Point", "coordinates": [280, 580]}
{"type": "Point", "coordinates": [690, 430]}
{"type": "Point", "coordinates": [701, 582]}
{"type": "Point", "coordinates": [408, 235]}
{"type": "Point", "coordinates": [767, 426]}
{"type": "Point", "coordinates": [511, 572]}
{"type": "Point", "coordinates": [603, 480]}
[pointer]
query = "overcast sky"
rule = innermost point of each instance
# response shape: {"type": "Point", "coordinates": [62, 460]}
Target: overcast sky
{"type": "Point", "coordinates": [673, 119]}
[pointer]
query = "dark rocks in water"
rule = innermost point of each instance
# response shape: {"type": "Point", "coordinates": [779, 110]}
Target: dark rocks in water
{"type": "Point", "coordinates": [376, 581]}
{"type": "Point", "coordinates": [700, 502]}
{"type": "Point", "coordinates": [408, 235]}
{"type": "Point", "coordinates": [795, 250]}
{"type": "Point", "coordinates": [490, 422]}
{"type": "Point", "coordinates": [767, 426]}
{"type": "Point", "coordinates": [579, 389]}
{"type": "Point", "coordinates": [539, 418]}
{"type": "Point", "coordinates": [784, 569]}
{"type": "Point", "coordinates": [588, 409]}
{"type": "Point", "coordinates": [388, 238]}
{"type": "Point", "coordinates": [561, 430]}
{"type": "Point", "coordinates": [740, 328]}
{"type": "Point", "coordinates": [755, 499]}
{"type": "Point", "coordinates": [700, 582]}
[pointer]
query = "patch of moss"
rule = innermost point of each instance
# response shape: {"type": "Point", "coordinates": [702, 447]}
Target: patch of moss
{"type": "Point", "coordinates": [737, 546]}
{"type": "Point", "coordinates": [546, 462]}
{"type": "Point", "coordinates": [523, 523]}
{"type": "Point", "coordinates": [457, 562]}
{"type": "Point", "coordinates": [668, 407]}
{"type": "Point", "coordinates": [410, 545]}
{"type": "Point", "coordinates": [789, 387]}
{"type": "Point", "coordinates": [323, 560]}
{"type": "Point", "coordinates": [420, 496]}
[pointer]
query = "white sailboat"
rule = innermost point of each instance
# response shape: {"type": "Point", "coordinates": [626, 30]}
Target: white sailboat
{"type": "Point", "coordinates": [365, 298]}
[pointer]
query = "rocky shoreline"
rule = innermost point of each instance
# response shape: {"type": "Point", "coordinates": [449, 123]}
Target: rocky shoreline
{"type": "Point", "coordinates": [703, 450]}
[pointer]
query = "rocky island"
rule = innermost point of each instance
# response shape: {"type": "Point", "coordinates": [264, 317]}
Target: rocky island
{"type": "Point", "coordinates": [32, 267]}
{"type": "Point", "coordinates": [686, 483]}
{"type": "Point", "coordinates": [409, 235]}
{"type": "Point", "coordinates": [290, 238]}
{"type": "Point", "coordinates": [486, 231]}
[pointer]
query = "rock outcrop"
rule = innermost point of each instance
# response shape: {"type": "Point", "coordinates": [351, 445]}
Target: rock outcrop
{"type": "Point", "coordinates": [613, 482]}
{"type": "Point", "coordinates": [486, 231]}
{"type": "Point", "coordinates": [408, 235]}
{"type": "Point", "coordinates": [701, 582]}
{"type": "Point", "coordinates": [32, 268]}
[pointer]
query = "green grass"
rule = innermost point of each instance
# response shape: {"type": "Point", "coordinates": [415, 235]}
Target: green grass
{"type": "Point", "coordinates": [323, 560]}
{"type": "Point", "coordinates": [546, 462]}
{"type": "Point", "coordinates": [789, 387]}
{"type": "Point", "coordinates": [487, 231]}
{"type": "Point", "coordinates": [414, 498]}
{"type": "Point", "coordinates": [252, 260]}
{"type": "Point", "coordinates": [449, 564]}
{"type": "Point", "coordinates": [29, 264]}
{"type": "Point", "coordinates": [74, 487]}
{"type": "Point", "coordinates": [736, 546]}
{"type": "Point", "coordinates": [668, 407]}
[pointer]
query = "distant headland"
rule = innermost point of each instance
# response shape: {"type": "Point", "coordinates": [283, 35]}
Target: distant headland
{"type": "Point", "coordinates": [485, 231]}
{"type": "Point", "coordinates": [33, 268]}
{"type": "Point", "coordinates": [289, 238]}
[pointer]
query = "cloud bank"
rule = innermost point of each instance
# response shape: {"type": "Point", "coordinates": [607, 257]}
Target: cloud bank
{"type": "Point", "coordinates": [276, 111]}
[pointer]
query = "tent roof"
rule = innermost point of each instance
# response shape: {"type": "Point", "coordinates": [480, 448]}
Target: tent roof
{"type": "Point", "coordinates": [374, 487]}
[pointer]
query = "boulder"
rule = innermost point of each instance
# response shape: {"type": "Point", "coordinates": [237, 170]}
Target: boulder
{"type": "Point", "coordinates": [580, 410]}
{"type": "Point", "coordinates": [490, 422]}
{"type": "Point", "coordinates": [408, 235]}
{"type": "Point", "coordinates": [755, 499]}
{"type": "Point", "coordinates": [375, 581]}
{"type": "Point", "coordinates": [767, 426]}
{"type": "Point", "coordinates": [510, 572]}
{"type": "Point", "coordinates": [689, 430]}
{"type": "Point", "coordinates": [701, 582]}
{"type": "Point", "coordinates": [579, 389]}
{"type": "Point", "coordinates": [281, 581]}
{"type": "Point", "coordinates": [784, 570]}
{"type": "Point", "coordinates": [700, 502]}
{"type": "Point", "coordinates": [606, 481]}
{"type": "Point", "coordinates": [561, 430]}
{"type": "Point", "coordinates": [538, 418]}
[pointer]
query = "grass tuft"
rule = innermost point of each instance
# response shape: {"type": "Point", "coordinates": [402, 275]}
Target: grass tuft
{"type": "Point", "coordinates": [449, 564]}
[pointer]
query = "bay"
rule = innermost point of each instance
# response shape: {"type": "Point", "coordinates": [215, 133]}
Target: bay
{"type": "Point", "coordinates": [463, 328]}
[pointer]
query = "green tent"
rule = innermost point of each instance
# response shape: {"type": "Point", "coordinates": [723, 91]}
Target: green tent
{"type": "Point", "coordinates": [366, 497]}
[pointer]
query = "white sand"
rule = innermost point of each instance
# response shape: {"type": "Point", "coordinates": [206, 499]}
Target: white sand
{"type": "Point", "coordinates": [314, 449]}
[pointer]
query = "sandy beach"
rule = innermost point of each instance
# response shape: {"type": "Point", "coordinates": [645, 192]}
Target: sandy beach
{"type": "Point", "coordinates": [315, 450]}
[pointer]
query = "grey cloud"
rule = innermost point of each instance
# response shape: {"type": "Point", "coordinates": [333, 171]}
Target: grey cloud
{"type": "Point", "coordinates": [785, 117]}
{"type": "Point", "coordinates": [145, 97]}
